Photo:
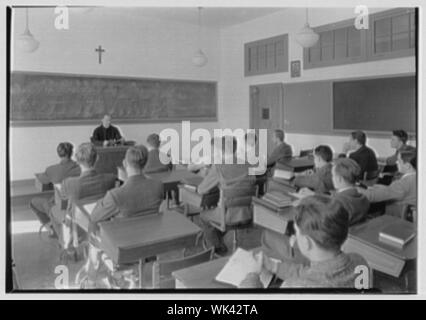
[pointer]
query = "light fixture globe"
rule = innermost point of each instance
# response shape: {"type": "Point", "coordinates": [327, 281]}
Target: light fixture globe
{"type": "Point", "coordinates": [199, 59]}
{"type": "Point", "coordinates": [26, 42]}
{"type": "Point", "coordinates": [307, 37]}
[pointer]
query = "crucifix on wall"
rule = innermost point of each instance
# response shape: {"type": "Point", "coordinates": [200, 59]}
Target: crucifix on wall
{"type": "Point", "coordinates": [99, 50]}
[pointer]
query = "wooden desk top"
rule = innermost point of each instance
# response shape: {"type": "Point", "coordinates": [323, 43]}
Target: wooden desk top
{"type": "Point", "coordinates": [174, 176]}
{"type": "Point", "coordinates": [368, 233]}
{"type": "Point", "coordinates": [202, 276]}
{"type": "Point", "coordinates": [128, 240]}
{"type": "Point", "coordinates": [149, 229]}
{"type": "Point", "coordinates": [297, 164]}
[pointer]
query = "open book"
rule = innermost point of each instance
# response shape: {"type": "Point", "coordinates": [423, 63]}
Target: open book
{"type": "Point", "coordinates": [240, 264]}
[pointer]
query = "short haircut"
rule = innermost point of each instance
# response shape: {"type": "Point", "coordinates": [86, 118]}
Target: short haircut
{"type": "Point", "coordinates": [279, 134]}
{"type": "Point", "coordinates": [360, 137]}
{"type": "Point", "coordinates": [107, 115]}
{"type": "Point", "coordinates": [324, 220]}
{"type": "Point", "coordinates": [409, 154]}
{"type": "Point", "coordinates": [348, 169]}
{"type": "Point", "coordinates": [137, 156]}
{"type": "Point", "coordinates": [324, 152]}
{"type": "Point", "coordinates": [64, 150]}
{"type": "Point", "coordinates": [229, 141]}
{"type": "Point", "coordinates": [401, 135]}
{"type": "Point", "coordinates": [86, 154]}
{"type": "Point", "coordinates": [154, 140]}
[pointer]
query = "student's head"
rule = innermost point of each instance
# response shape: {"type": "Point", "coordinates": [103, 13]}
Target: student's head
{"type": "Point", "coordinates": [345, 173]}
{"type": "Point", "coordinates": [278, 136]}
{"type": "Point", "coordinates": [106, 120]}
{"type": "Point", "coordinates": [135, 159]}
{"type": "Point", "coordinates": [153, 141]}
{"type": "Point", "coordinates": [357, 139]}
{"type": "Point", "coordinates": [322, 155]}
{"type": "Point", "coordinates": [407, 159]}
{"type": "Point", "coordinates": [399, 138]}
{"type": "Point", "coordinates": [321, 225]}
{"type": "Point", "coordinates": [64, 150]}
{"type": "Point", "coordinates": [86, 155]}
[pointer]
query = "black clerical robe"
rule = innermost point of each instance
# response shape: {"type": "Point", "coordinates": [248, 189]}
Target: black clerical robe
{"type": "Point", "coordinates": [101, 134]}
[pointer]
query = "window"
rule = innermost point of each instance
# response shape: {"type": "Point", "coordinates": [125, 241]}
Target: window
{"type": "Point", "coordinates": [266, 56]}
{"type": "Point", "coordinates": [391, 34]}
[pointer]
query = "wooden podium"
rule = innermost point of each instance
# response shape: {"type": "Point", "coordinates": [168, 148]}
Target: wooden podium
{"type": "Point", "coordinates": [109, 158]}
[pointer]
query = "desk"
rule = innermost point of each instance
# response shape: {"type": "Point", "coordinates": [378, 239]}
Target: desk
{"type": "Point", "coordinates": [109, 158]}
{"type": "Point", "coordinates": [268, 216]}
{"type": "Point", "coordinates": [42, 183]}
{"type": "Point", "coordinates": [201, 276]}
{"type": "Point", "coordinates": [296, 164]}
{"type": "Point", "coordinates": [171, 179]}
{"type": "Point", "coordinates": [364, 240]}
{"type": "Point", "coordinates": [135, 239]}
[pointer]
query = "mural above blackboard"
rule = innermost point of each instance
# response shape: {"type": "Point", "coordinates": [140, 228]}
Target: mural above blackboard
{"type": "Point", "coordinates": [49, 98]}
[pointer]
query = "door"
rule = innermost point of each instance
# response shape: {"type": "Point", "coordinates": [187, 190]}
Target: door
{"type": "Point", "coordinates": [266, 109]}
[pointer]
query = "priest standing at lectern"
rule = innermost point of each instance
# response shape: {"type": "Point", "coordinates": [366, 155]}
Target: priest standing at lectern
{"type": "Point", "coordinates": [106, 134]}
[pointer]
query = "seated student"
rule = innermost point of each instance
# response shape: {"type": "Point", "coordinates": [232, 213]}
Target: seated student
{"type": "Point", "coordinates": [88, 184]}
{"type": "Point", "coordinates": [320, 181]}
{"type": "Point", "coordinates": [154, 163]}
{"type": "Point", "coordinates": [398, 141]}
{"type": "Point", "coordinates": [321, 226]}
{"type": "Point", "coordinates": [137, 196]}
{"type": "Point", "coordinates": [363, 155]}
{"type": "Point", "coordinates": [344, 174]}
{"type": "Point", "coordinates": [402, 191]}
{"type": "Point", "coordinates": [231, 179]}
{"type": "Point", "coordinates": [282, 150]}
{"type": "Point", "coordinates": [55, 174]}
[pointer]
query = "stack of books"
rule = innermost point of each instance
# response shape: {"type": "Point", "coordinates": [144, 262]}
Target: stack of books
{"type": "Point", "coordinates": [283, 174]}
{"type": "Point", "coordinates": [397, 234]}
{"type": "Point", "coordinates": [278, 199]}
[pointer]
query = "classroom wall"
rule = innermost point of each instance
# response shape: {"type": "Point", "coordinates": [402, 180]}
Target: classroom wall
{"type": "Point", "coordinates": [139, 47]}
{"type": "Point", "coordinates": [235, 87]}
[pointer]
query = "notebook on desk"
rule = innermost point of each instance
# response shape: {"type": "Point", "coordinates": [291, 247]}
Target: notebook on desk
{"type": "Point", "coordinates": [397, 234]}
{"type": "Point", "coordinates": [236, 269]}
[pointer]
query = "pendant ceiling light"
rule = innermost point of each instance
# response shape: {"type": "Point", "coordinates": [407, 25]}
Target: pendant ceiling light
{"type": "Point", "coordinates": [26, 41]}
{"type": "Point", "coordinates": [199, 59]}
{"type": "Point", "coordinates": [307, 37]}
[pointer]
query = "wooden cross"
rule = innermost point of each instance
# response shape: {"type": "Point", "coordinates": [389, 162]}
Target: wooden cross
{"type": "Point", "coordinates": [99, 50]}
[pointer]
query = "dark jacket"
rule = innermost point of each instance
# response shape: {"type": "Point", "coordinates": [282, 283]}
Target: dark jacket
{"type": "Point", "coordinates": [64, 169]}
{"type": "Point", "coordinates": [320, 181]}
{"type": "Point", "coordinates": [88, 184]}
{"type": "Point", "coordinates": [281, 152]}
{"type": "Point", "coordinates": [139, 195]}
{"type": "Point", "coordinates": [354, 202]}
{"type": "Point", "coordinates": [154, 164]}
{"type": "Point", "coordinates": [366, 159]}
{"type": "Point", "coordinates": [101, 134]}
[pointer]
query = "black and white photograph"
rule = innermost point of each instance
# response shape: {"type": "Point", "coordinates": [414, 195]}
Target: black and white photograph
{"type": "Point", "coordinates": [205, 147]}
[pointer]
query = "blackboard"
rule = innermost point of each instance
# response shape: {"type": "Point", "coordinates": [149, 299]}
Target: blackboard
{"type": "Point", "coordinates": [51, 98]}
{"type": "Point", "coordinates": [307, 107]}
{"type": "Point", "coordinates": [382, 104]}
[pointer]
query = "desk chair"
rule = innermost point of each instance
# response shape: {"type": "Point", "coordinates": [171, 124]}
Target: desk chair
{"type": "Point", "coordinates": [162, 270]}
{"type": "Point", "coordinates": [241, 197]}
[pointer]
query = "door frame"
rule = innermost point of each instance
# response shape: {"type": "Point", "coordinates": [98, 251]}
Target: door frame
{"type": "Point", "coordinates": [253, 88]}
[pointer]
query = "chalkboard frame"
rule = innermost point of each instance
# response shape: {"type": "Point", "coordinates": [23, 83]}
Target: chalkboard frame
{"type": "Point", "coordinates": [39, 123]}
{"type": "Point", "coordinates": [330, 131]}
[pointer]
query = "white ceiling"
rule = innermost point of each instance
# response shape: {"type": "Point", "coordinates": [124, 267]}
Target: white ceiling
{"type": "Point", "coordinates": [213, 17]}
